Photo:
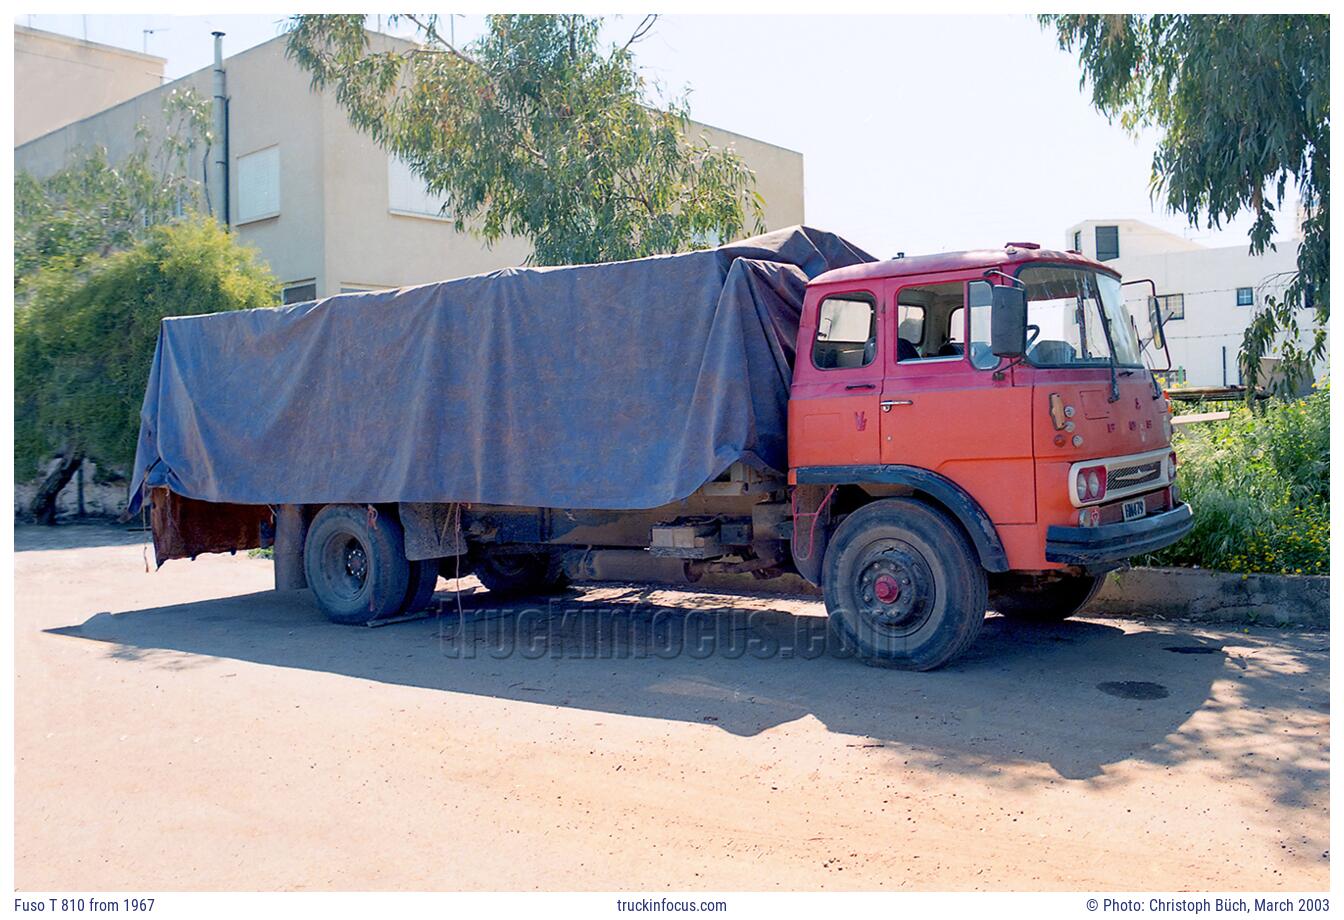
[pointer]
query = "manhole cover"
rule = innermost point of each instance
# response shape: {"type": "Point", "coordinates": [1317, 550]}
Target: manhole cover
{"type": "Point", "coordinates": [1134, 689]}
{"type": "Point", "coordinates": [1195, 649]}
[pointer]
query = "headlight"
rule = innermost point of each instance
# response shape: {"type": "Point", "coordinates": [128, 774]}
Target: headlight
{"type": "Point", "coordinates": [1171, 466]}
{"type": "Point", "coordinates": [1089, 484]}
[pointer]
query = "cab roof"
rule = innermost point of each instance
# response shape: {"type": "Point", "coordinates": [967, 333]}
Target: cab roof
{"type": "Point", "coordinates": [954, 262]}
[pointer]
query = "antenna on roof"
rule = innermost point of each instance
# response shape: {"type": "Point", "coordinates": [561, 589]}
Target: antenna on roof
{"type": "Point", "coordinates": [147, 33]}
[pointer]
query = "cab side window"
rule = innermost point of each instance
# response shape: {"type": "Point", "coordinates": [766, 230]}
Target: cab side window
{"type": "Point", "coordinates": [846, 332]}
{"type": "Point", "coordinates": [910, 331]}
{"type": "Point", "coordinates": [929, 318]}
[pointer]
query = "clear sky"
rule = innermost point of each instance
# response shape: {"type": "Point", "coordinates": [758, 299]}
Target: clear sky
{"type": "Point", "coordinates": [919, 134]}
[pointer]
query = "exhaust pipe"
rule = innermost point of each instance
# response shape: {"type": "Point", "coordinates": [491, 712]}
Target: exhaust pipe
{"type": "Point", "coordinates": [218, 192]}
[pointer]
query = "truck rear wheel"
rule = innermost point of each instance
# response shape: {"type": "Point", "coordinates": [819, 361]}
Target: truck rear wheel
{"type": "Point", "coordinates": [1030, 600]}
{"type": "Point", "coordinates": [903, 585]}
{"type": "Point", "coordinates": [356, 564]}
{"type": "Point", "coordinates": [521, 573]}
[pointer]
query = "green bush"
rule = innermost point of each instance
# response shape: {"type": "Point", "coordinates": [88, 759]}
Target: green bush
{"type": "Point", "coordinates": [1259, 485]}
{"type": "Point", "coordinates": [84, 338]}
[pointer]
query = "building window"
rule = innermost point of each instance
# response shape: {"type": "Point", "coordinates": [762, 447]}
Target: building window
{"type": "Point", "coordinates": [406, 192]}
{"type": "Point", "coordinates": [258, 185]}
{"type": "Point", "coordinates": [1077, 241]}
{"type": "Point", "coordinates": [348, 287]}
{"type": "Point", "coordinates": [1245, 297]}
{"type": "Point", "coordinates": [846, 332]}
{"type": "Point", "coordinates": [300, 291]}
{"type": "Point", "coordinates": [1172, 305]}
{"type": "Point", "coordinates": [1108, 243]}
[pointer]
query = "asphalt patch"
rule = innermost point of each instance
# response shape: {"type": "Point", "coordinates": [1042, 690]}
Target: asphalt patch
{"type": "Point", "coordinates": [1134, 689]}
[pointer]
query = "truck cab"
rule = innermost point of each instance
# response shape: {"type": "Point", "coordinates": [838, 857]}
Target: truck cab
{"type": "Point", "coordinates": [999, 400]}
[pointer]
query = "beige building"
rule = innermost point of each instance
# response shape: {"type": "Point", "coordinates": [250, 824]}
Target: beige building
{"type": "Point", "coordinates": [58, 79]}
{"type": "Point", "coordinates": [1208, 294]}
{"type": "Point", "coordinates": [327, 209]}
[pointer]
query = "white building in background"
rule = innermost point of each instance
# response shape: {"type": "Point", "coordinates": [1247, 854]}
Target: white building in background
{"type": "Point", "coordinates": [329, 210]}
{"type": "Point", "coordinates": [1208, 294]}
{"type": "Point", "coordinates": [59, 80]}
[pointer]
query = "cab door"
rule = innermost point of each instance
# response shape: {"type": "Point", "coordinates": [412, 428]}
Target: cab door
{"type": "Point", "coordinates": [946, 406]}
{"type": "Point", "coordinates": [837, 378]}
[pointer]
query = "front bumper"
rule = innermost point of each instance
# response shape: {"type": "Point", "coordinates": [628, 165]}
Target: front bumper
{"type": "Point", "coordinates": [1116, 542]}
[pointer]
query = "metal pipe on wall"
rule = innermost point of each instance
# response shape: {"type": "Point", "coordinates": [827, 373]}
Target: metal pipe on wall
{"type": "Point", "coordinates": [219, 167]}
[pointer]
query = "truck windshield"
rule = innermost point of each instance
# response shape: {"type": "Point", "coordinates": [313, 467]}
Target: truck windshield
{"type": "Point", "coordinates": [1077, 317]}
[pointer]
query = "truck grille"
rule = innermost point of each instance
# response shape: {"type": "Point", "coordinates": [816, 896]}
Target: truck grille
{"type": "Point", "coordinates": [1127, 477]}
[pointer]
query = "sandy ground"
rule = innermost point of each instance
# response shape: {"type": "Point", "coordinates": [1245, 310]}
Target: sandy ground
{"type": "Point", "coordinates": [188, 729]}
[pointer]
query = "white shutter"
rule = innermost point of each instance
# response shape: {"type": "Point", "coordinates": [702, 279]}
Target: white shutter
{"type": "Point", "coordinates": [258, 185]}
{"type": "Point", "coordinates": [406, 193]}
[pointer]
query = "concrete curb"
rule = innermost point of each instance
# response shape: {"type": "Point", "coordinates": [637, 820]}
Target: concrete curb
{"type": "Point", "coordinates": [1197, 595]}
{"type": "Point", "coordinates": [1217, 597]}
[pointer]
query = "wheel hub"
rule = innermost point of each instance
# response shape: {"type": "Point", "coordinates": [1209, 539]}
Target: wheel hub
{"type": "Point", "coordinates": [895, 589]}
{"type": "Point", "coordinates": [887, 589]}
{"type": "Point", "coordinates": [356, 562]}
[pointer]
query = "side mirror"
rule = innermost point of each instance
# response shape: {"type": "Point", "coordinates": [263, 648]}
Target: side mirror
{"type": "Point", "coordinates": [1008, 322]}
{"type": "Point", "coordinates": [1155, 321]}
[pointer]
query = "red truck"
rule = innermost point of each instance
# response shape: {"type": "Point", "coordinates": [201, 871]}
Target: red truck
{"type": "Point", "coordinates": [965, 431]}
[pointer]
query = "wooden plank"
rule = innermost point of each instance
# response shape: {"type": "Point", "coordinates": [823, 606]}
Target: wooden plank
{"type": "Point", "coordinates": [1196, 417]}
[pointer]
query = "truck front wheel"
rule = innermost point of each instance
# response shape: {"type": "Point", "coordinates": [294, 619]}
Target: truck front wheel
{"type": "Point", "coordinates": [521, 573]}
{"type": "Point", "coordinates": [1033, 600]}
{"type": "Point", "coordinates": [355, 560]}
{"type": "Point", "coordinates": [903, 585]}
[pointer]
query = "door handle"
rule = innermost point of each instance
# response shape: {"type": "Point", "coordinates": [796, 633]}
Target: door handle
{"type": "Point", "coordinates": [886, 404]}
{"type": "Point", "coordinates": [861, 386]}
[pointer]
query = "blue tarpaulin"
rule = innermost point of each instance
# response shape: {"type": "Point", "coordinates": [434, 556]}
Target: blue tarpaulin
{"type": "Point", "coordinates": [619, 385]}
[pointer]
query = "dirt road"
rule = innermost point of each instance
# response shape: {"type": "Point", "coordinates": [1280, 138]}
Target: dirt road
{"type": "Point", "coordinates": [187, 729]}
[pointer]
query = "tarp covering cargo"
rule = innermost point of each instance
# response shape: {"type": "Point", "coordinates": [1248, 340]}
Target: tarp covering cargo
{"type": "Point", "coordinates": [620, 385]}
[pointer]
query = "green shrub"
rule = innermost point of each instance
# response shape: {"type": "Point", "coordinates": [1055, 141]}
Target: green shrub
{"type": "Point", "coordinates": [1259, 485]}
{"type": "Point", "coordinates": [84, 339]}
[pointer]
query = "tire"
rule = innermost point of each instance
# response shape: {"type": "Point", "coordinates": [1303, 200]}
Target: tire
{"type": "Point", "coordinates": [1027, 600]}
{"type": "Point", "coordinates": [903, 585]}
{"type": "Point", "coordinates": [519, 574]}
{"type": "Point", "coordinates": [356, 564]}
{"type": "Point", "coordinates": [424, 577]}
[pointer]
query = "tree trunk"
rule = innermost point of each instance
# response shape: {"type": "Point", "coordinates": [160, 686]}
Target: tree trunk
{"type": "Point", "coordinates": [43, 506]}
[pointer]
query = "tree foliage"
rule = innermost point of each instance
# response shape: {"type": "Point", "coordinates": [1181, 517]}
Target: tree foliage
{"type": "Point", "coordinates": [84, 342]}
{"type": "Point", "coordinates": [536, 130]}
{"type": "Point", "coordinates": [67, 228]}
{"type": "Point", "coordinates": [92, 206]}
{"type": "Point", "coordinates": [1243, 107]}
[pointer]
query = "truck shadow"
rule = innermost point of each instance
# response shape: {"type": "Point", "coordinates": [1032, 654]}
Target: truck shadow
{"type": "Point", "coordinates": [94, 532]}
{"type": "Point", "coordinates": [1077, 696]}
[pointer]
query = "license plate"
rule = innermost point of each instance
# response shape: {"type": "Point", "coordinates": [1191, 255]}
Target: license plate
{"type": "Point", "coordinates": [1134, 509]}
